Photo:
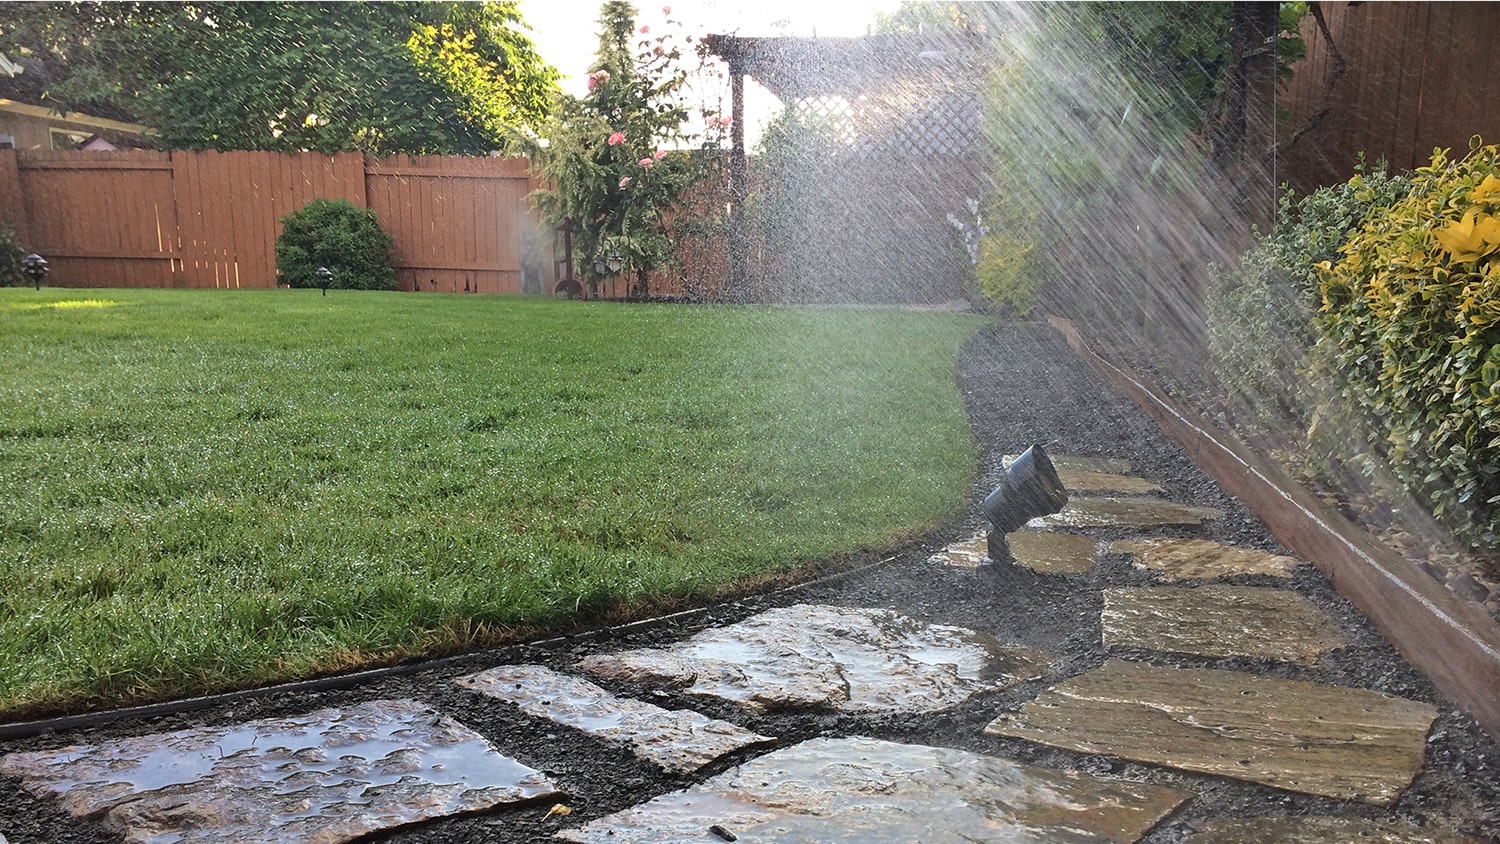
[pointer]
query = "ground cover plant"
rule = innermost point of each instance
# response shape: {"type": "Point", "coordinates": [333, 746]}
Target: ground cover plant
{"type": "Point", "coordinates": [204, 489]}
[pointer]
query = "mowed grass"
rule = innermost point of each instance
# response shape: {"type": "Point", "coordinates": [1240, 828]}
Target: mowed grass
{"type": "Point", "coordinates": [202, 490]}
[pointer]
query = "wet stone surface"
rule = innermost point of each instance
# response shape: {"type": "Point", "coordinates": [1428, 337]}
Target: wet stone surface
{"type": "Point", "coordinates": [1047, 552]}
{"type": "Point", "coordinates": [1192, 559]}
{"type": "Point", "coordinates": [329, 776]}
{"type": "Point", "coordinates": [1096, 475]}
{"type": "Point", "coordinates": [1078, 480]}
{"type": "Point", "coordinates": [866, 790]}
{"type": "Point", "coordinates": [1219, 621]}
{"type": "Point", "coordinates": [1319, 830]}
{"type": "Point", "coordinates": [857, 660]}
{"type": "Point", "coordinates": [1125, 512]}
{"type": "Point", "coordinates": [1052, 553]}
{"type": "Point", "coordinates": [968, 553]}
{"type": "Point", "coordinates": [1326, 740]}
{"type": "Point", "coordinates": [682, 741]}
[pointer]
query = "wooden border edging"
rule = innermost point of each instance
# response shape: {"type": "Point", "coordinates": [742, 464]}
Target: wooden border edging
{"type": "Point", "coordinates": [1454, 643]}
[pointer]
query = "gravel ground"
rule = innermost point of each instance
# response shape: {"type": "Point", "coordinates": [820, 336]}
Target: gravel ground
{"type": "Point", "coordinates": [1021, 385]}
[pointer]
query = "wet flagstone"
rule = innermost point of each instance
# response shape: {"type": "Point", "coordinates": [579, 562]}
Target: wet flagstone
{"type": "Point", "coordinates": [858, 660]}
{"type": "Point", "coordinates": [1078, 480]}
{"type": "Point", "coordinates": [1043, 551]}
{"type": "Point", "coordinates": [1126, 512]}
{"type": "Point", "coordinates": [1219, 621]}
{"type": "Point", "coordinates": [864, 790]}
{"type": "Point", "coordinates": [1052, 553]}
{"type": "Point", "coordinates": [968, 553]}
{"type": "Point", "coordinates": [1190, 559]}
{"type": "Point", "coordinates": [1319, 830]}
{"type": "Point", "coordinates": [1095, 475]}
{"type": "Point", "coordinates": [682, 741]}
{"type": "Point", "coordinates": [1308, 737]}
{"type": "Point", "coordinates": [329, 776]}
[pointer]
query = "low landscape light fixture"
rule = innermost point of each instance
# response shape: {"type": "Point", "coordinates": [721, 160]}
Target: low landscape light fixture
{"type": "Point", "coordinates": [324, 275]}
{"type": "Point", "coordinates": [35, 268]}
{"type": "Point", "coordinates": [1028, 489]}
{"type": "Point", "coordinates": [607, 263]}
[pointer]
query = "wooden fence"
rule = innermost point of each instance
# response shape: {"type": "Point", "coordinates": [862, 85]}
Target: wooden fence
{"type": "Point", "coordinates": [1420, 75]}
{"type": "Point", "coordinates": [209, 219]}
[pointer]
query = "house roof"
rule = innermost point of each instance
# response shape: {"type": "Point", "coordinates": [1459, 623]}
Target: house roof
{"type": "Point", "coordinates": [74, 117]}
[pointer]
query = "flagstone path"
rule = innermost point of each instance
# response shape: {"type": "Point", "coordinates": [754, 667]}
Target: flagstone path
{"type": "Point", "coordinates": [338, 774]}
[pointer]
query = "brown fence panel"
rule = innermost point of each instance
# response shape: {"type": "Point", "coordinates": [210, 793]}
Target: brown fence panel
{"type": "Point", "coordinates": [99, 215]}
{"type": "Point", "coordinates": [458, 223]}
{"type": "Point", "coordinates": [1421, 75]}
{"type": "Point", "coordinates": [230, 205]}
{"type": "Point", "coordinates": [210, 219]}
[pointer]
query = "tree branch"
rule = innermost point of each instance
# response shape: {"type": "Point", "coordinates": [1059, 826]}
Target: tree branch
{"type": "Point", "coordinates": [1340, 66]}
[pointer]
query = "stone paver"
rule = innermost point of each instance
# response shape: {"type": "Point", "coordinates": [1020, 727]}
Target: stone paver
{"type": "Point", "coordinates": [857, 660]}
{"type": "Point", "coordinates": [1048, 552]}
{"type": "Point", "coordinates": [329, 776]}
{"type": "Point", "coordinates": [1052, 553]}
{"type": "Point", "coordinates": [1191, 559]}
{"type": "Point", "coordinates": [967, 554]}
{"type": "Point", "coordinates": [1219, 621]}
{"type": "Point", "coordinates": [825, 791]}
{"type": "Point", "coordinates": [1319, 830]}
{"type": "Point", "coordinates": [1326, 740]}
{"type": "Point", "coordinates": [1095, 475]}
{"type": "Point", "coordinates": [1076, 480]}
{"type": "Point", "coordinates": [682, 741]}
{"type": "Point", "coordinates": [1125, 512]}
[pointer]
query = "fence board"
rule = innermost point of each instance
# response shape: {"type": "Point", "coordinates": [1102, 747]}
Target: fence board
{"type": "Point", "coordinates": [210, 219]}
{"type": "Point", "coordinates": [92, 213]}
{"type": "Point", "coordinates": [1420, 76]}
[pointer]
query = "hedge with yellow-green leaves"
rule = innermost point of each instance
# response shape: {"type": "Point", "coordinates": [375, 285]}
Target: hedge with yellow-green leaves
{"type": "Point", "coordinates": [1410, 318]}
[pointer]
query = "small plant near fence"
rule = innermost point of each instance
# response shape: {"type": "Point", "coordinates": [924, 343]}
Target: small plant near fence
{"type": "Point", "coordinates": [336, 234]}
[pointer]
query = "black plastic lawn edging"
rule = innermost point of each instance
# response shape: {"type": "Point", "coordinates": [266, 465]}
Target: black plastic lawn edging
{"type": "Point", "coordinates": [27, 729]}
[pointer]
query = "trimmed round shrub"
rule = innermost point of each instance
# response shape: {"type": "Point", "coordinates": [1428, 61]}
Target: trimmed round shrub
{"type": "Point", "coordinates": [336, 234]}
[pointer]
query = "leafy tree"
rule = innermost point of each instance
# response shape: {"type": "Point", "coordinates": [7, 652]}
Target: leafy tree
{"type": "Point", "coordinates": [376, 77]}
{"type": "Point", "coordinates": [615, 157]}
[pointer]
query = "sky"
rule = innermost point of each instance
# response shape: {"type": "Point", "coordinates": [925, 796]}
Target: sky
{"type": "Point", "coordinates": [566, 33]}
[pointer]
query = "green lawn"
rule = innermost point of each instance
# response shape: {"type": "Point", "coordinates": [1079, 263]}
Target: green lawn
{"type": "Point", "coordinates": [202, 490]}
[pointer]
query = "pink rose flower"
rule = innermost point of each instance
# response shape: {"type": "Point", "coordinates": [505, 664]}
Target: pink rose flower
{"type": "Point", "coordinates": [666, 10]}
{"type": "Point", "coordinates": [646, 162]}
{"type": "Point", "coordinates": [617, 138]}
{"type": "Point", "coordinates": [659, 154]}
{"type": "Point", "coordinates": [624, 180]}
{"type": "Point", "coordinates": [725, 121]}
{"type": "Point", "coordinates": [645, 29]}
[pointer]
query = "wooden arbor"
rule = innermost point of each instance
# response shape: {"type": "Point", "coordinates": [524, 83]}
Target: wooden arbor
{"type": "Point", "coordinates": [907, 107]}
